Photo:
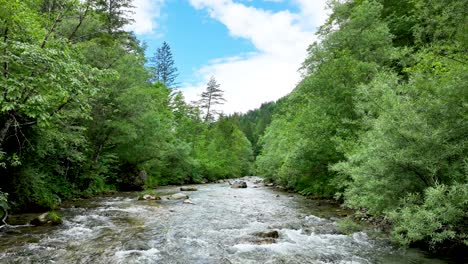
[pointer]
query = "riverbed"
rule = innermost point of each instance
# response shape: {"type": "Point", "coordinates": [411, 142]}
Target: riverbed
{"type": "Point", "coordinates": [222, 226]}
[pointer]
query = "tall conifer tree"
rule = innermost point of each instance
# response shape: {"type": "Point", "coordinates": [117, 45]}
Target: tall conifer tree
{"type": "Point", "coordinates": [164, 66]}
{"type": "Point", "coordinates": [211, 97]}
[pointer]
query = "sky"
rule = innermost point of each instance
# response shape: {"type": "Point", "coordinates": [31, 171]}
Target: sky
{"type": "Point", "coordinates": [253, 48]}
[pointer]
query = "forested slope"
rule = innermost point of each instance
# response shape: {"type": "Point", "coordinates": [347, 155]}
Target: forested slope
{"type": "Point", "coordinates": [80, 112]}
{"type": "Point", "coordinates": [380, 119]}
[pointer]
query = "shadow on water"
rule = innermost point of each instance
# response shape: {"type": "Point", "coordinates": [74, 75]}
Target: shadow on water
{"type": "Point", "coordinates": [224, 225]}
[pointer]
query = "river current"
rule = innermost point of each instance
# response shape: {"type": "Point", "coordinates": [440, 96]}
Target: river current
{"type": "Point", "coordinates": [222, 226]}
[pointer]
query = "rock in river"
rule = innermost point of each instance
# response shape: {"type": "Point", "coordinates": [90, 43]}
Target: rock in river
{"type": "Point", "coordinates": [49, 218]}
{"type": "Point", "coordinates": [178, 196]}
{"type": "Point", "coordinates": [187, 201]}
{"type": "Point", "coordinates": [149, 197]}
{"type": "Point", "coordinates": [269, 234]}
{"type": "Point", "coordinates": [188, 188]}
{"type": "Point", "coordinates": [239, 184]}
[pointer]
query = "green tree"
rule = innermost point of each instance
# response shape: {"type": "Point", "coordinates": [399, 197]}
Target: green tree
{"type": "Point", "coordinates": [164, 66]}
{"type": "Point", "coordinates": [210, 98]}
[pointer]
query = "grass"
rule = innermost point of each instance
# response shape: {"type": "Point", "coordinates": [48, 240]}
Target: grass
{"type": "Point", "coordinates": [54, 217]}
{"type": "Point", "coordinates": [348, 226]}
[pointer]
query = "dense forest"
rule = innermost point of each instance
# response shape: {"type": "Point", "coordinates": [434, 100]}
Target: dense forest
{"type": "Point", "coordinates": [83, 111]}
{"type": "Point", "coordinates": [378, 122]}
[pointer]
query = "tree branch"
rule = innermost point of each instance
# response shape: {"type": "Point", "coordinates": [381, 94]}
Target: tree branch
{"type": "Point", "coordinates": [82, 18]}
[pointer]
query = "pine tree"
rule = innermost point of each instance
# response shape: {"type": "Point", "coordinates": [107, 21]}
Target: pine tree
{"type": "Point", "coordinates": [117, 14]}
{"type": "Point", "coordinates": [211, 97]}
{"type": "Point", "coordinates": [163, 63]}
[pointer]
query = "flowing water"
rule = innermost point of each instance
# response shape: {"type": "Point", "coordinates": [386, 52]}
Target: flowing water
{"type": "Point", "coordinates": [220, 228]}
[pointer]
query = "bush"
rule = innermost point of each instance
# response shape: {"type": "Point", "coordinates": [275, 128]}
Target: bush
{"type": "Point", "coordinates": [437, 217]}
{"type": "Point", "coordinates": [54, 217]}
{"type": "Point", "coordinates": [348, 226]}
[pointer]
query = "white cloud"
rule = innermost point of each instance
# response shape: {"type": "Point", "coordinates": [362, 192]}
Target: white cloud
{"type": "Point", "coordinates": [313, 11]}
{"type": "Point", "coordinates": [145, 14]}
{"type": "Point", "coordinates": [281, 39]}
{"type": "Point", "coordinates": [248, 81]}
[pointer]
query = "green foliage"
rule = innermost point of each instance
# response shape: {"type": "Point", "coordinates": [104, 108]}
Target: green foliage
{"type": "Point", "coordinates": [54, 217]}
{"type": "Point", "coordinates": [437, 217]}
{"type": "Point", "coordinates": [224, 151]}
{"type": "Point", "coordinates": [4, 200]}
{"type": "Point", "coordinates": [379, 119]}
{"type": "Point", "coordinates": [254, 123]}
{"type": "Point", "coordinates": [164, 69]}
{"type": "Point", "coordinates": [32, 191]}
{"type": "Point", "coordinates": [306, 137]}
{"type": "Point", "coordinates": [211, 97]}
{"type": "Point", "coordinates": [348, 226]}
{"type": "Point", "coordinates": [79, 115]}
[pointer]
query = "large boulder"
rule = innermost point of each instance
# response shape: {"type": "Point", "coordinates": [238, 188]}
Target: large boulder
{"type": "Point", "coordinates": [188, 188]}
{"type": "Point", "coordinates": [178, 196]}
{"type": "Point", "coordinates": [239, 184]}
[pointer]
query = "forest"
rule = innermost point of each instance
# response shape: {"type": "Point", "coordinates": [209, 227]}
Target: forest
{"type": "Point", "coordinates": [378, 122]}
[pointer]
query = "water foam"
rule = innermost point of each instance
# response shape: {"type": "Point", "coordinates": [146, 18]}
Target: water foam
{"type": "Point", "coordinates": [124, 256]}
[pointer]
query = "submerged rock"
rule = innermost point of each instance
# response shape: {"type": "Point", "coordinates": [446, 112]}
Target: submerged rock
{"type": "Point", "coordinates": [187, 201]}
{"type": "Point", "coordinates": [239, 184]}
{"type": "Point", "coordinates": [188, 189]}
{"type": "Point", "coordinates": [265, 241]}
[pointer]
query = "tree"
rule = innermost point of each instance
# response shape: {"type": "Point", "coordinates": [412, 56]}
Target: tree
{"type": "Point", "coordinates": [163, 63]}
{"type": "Point", "coordinates": [211, 97]}
{"type": "Point", "coordinates": [115, 14]}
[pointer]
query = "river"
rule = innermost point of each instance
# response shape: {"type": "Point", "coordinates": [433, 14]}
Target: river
{"type": "Point", "coordinates": [220, 227]}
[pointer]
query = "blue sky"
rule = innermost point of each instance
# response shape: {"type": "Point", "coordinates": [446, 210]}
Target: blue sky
{"type": "Point", "coordinates": [253, 48]}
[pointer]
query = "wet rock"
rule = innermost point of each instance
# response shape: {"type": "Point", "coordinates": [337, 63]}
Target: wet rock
{"type": "Point", "coordinates": [255, 186]}
{"type": "Point", "coordinates": [258, 181]}
{"type": "Point", "coordinates": [49, 218]}
{"type": "Point", "coordinates": [270, 185]}
{"type": "Point", "coordinates": [178, 196]}
{"type": "Point", "coordinates": [265, 241]}
{"type": "Point", "coordinates": [187, 201]}
{"type": "Point", "coordinates": [277, 195]}
{"type": "Point", "coordinates": [269, 234]}
{"type": "Point", "coordinates": [39, 220]}
{"type": "Point", "coordinates": [188, 189]}
{"type": "Point", "coordinates": [239, 184]}
{"type": "Point", "coordinates": [149, 197]}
